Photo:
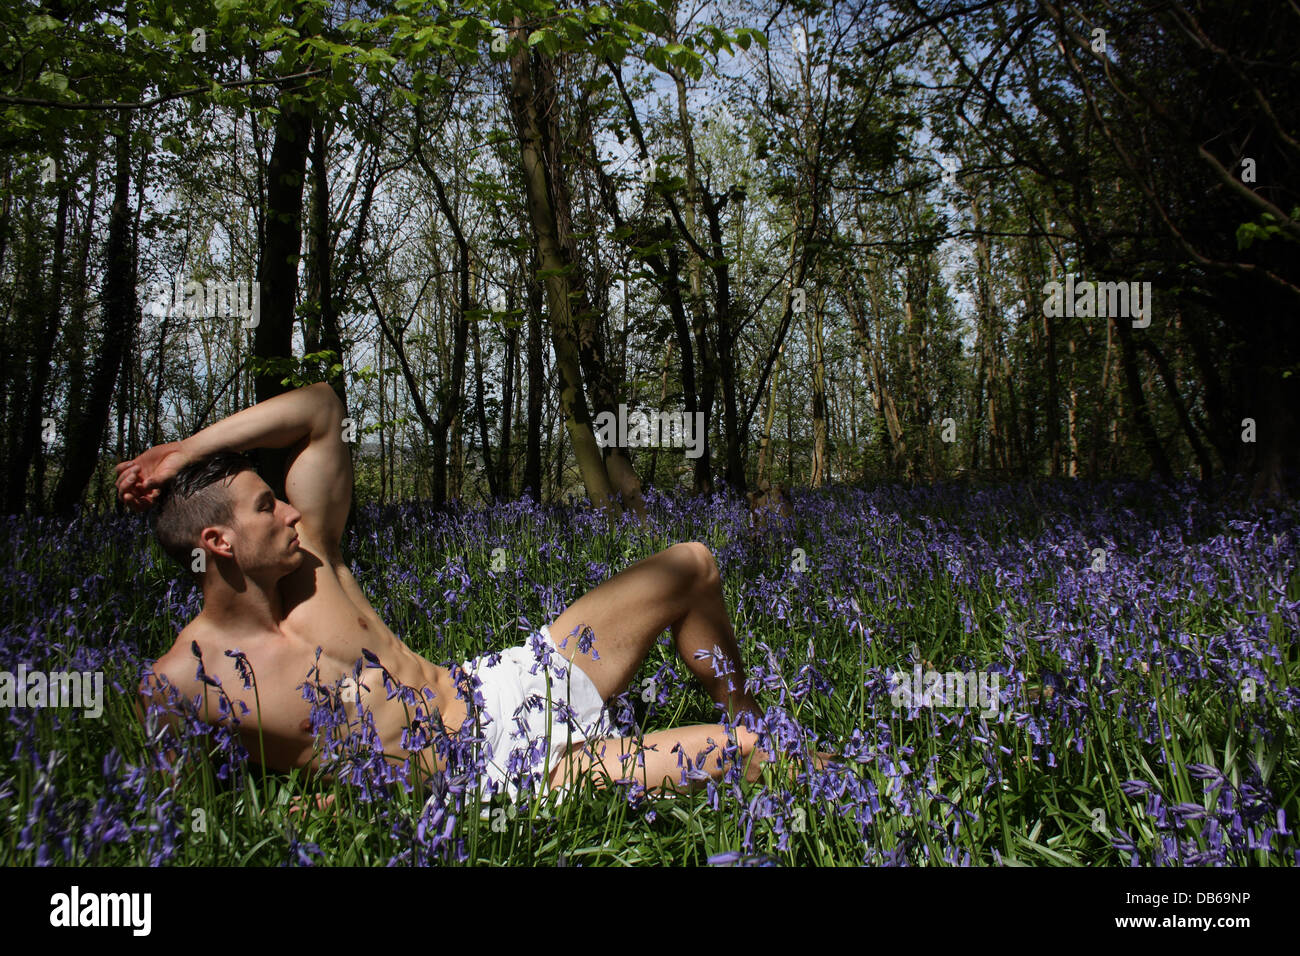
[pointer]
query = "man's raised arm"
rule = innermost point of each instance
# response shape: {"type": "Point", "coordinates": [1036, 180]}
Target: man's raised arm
{"type": "Point", "coordinates": [318, 477]}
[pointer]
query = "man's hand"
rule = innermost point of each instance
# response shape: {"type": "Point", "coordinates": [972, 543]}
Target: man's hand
{"type": "Point", "coordinates": [299, 805]}
{"type": "Point", "coordinates": [318, 477]}
{"type": "Point", "coordinates": [140, 481]}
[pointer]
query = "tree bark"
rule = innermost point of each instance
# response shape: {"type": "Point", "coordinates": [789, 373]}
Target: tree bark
{"type": "Point", "coordinates": [813, 322]}
{"type": "Point", "coordinates": [30, 436]}
{"type": "Point", "coordinates": [509, 373]}
{"type": "Point", "coordinates": [485, 441]}
{"type": "Point", "coordinates": [85, 434]}
{"type": "Point", "coordinates": [734, 429]}
{"type": "Point", "coordinates": [528, 97]}
{"type": "Point", "coordinates": [1137, 397]}
{"type": "Point", "coordinates": [532, 476]}
{"type": "Point", "coordinates": [277, 271]}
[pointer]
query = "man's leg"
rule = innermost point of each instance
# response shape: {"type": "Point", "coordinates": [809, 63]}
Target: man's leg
{"type": "Point", "coordinates": [657, 761]}
{"type": "Point", "coordinates": [678, 588]}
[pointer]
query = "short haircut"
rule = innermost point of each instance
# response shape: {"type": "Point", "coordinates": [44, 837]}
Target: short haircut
{"type": "Point", "coordinates": [194, 499]}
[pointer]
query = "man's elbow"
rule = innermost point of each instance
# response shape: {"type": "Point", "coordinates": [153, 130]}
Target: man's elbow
{"type": "Point", "coordinates": [324, 393]}
{"type": "Point", "coordinates": [329, 407]}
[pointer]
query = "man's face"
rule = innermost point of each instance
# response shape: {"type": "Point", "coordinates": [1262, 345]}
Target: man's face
{"type": "Point", "coordinates": [264, 537]}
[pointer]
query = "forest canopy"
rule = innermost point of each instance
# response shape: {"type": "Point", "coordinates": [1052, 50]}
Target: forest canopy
{"type": "Point", "coordinates": [857, 242]}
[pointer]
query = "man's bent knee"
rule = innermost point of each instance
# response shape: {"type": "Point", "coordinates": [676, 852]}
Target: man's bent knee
{"type": "Point", "coordinates": [703, 568]}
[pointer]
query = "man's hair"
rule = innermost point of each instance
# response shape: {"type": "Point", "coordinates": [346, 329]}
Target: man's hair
{"type": "Point", "coordinates": [195, 499]}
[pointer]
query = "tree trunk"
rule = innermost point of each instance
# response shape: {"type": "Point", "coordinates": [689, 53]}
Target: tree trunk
{"type": "Point", "coordinates": [485, 441]}
{"type": "Point", "coordinates": [509, 373]}
{"type": "Point", "coordinates": [1053, 394]}
{"type": "Point", "coordinates": [733, 428]}
{"type": "Point", "coordinates": [1137, 397]}
{"type": "Point", "coordinates": [394, 338]}
{"type": "Point", "coordinates": [765, 442]}
{"type": "Point", "coordinates": [1094, 441]}
{"type": "Point", "coordinates": [277, 272]}
{"type": "Point", "coordinates": [85, 434]}
{"type": "Point", "coordinates": [450, 405]}
{"type": "Point", "coordinates": [383, 415]}
{"type": "Point", "coordinates": [873, 363]}
{"type": "Point", "coordinates": [699, 317]}
{"type": "Point", "coordinates": [985, 344]}
{"type": "Point", "coordinates": [663, 398]}
{"type": "Point", "coordinates": [528, 98]}
{"type": "Point", "coordinates": [532, 476]}
{"type": "Point", "coordinates": [37, 406]}
{"type": "Point", "coordinates": [320, 317]}
{"type": "Point", "coordinates": [1180, 407]}
{"type": "Point", "coordinates": [24, 327]}
{"type": "Point", "coordinates": [814, 324]}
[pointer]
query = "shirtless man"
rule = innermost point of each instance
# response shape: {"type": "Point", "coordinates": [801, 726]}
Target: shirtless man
{"type": "Point", "coordinates": [276, 588]}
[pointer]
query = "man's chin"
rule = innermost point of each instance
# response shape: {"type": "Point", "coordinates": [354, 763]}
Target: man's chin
{"type": "Point", "coordinates": [292, 561]}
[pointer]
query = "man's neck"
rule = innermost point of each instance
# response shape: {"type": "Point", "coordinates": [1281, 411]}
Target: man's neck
{"type": "Point", "coordinates": [256, 608]}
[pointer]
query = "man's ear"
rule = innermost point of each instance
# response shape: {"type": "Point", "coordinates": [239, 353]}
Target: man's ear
{"type": "Point", "coordinates": [217, 539]}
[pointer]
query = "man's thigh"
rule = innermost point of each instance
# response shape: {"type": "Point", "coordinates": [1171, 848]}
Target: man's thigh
{"type": "Point", "coordinates": [627, 612]}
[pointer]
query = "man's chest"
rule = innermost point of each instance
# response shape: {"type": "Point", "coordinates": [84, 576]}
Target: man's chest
{"type": "Point", "coordinates": [319, 613]}
{"type": "Point", "coordinates": [287, 696]}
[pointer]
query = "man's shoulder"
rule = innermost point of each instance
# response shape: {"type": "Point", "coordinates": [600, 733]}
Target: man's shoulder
{"type": "Point", "coordinates": [179, 665]}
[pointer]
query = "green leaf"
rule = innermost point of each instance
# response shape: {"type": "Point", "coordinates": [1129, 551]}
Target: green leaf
{"type": "Point", "coordinates": [1249, 233]}
{"type": "Point", "coordinates": [152, 35]}
{"type": "Point", "coordinates": [40, 22]}
{"type": "Point", "coordinates": [55, 81]}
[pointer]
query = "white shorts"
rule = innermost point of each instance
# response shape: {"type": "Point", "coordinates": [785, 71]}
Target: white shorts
{"type": "Point", "coordinates": [531, 713]}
